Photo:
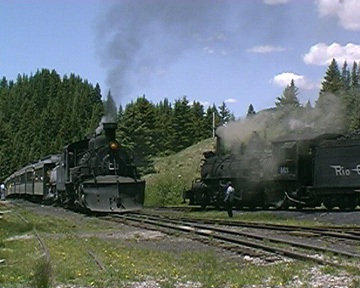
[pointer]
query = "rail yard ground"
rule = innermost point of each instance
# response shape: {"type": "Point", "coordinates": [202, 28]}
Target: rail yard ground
{"type": "Point", "coordinates": [45, 246]}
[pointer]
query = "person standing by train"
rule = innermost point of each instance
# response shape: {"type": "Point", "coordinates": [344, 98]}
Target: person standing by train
{"type": "Point", "coordinates": [229, 198]}
{"type": "Point", "coordinates": [2, 191]}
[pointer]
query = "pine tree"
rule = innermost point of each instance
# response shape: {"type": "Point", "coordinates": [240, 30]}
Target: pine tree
{"type": "Point", "coordinates": [251, 111]}
{"type": "Point", "coordinates": [345, 77]}
{"type": "Point", "coordinates": [199, 122]}
{"type": "Point", "coordinates": [332, 97]}
{"type": "Point", "coordinates": [332, 80]}
{"type": "Point", "coordinates": [164, 130]}
{"type": "Point", "coordinates": [353, 108]}
{"type": "Point", "coordinates": [308, 105]}
{"type": "Point", "coordinates": [289, 98]}
{"type": "Point", "coordinates": [224, 113]}
{"type": "Point", "coordinates": [354, 76]}
{"type": "Point", "coordinates": [136, 131]}
{"type": "Point", "coordinates": [182, 125]}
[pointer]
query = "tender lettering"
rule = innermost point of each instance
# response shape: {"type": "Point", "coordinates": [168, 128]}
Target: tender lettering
{"type": "Point", "coordinates": [342, 171]}
{"type": "Point", "coordinates": [357, 169]}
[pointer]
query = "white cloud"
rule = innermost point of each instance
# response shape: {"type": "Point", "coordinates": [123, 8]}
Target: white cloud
{"type": "Point", "coordinates": [347, 12]}
{"type": "Point", "coordinates": [284, 79]}
{"type": "Point", "coordinates": [205, 104]}
{"type": "Point", "coordinates": [230, 100]}
{"type": "Point", "coordinates": [322, 54]}
{"type": "Point", "coordinates": [263, 49]}
{"type": "Point", "coordinates": [276, 2]}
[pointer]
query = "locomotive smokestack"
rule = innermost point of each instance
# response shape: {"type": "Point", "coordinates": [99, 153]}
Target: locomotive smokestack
{"type": "Point", "coordinates": [110, 129]}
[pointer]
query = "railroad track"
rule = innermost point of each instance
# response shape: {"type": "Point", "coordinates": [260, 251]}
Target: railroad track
{"type": "Point", "coordinates": [341, 232]}
{"type": "Point", "coordinates": [235, 235]}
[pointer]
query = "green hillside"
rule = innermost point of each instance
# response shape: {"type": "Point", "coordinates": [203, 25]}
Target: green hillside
{"type": "Point", "coordinates": [175, 173]}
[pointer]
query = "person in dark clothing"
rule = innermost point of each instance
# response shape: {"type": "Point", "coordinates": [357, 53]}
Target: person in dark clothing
{"type": "Point", "coordinates": [229, 198]}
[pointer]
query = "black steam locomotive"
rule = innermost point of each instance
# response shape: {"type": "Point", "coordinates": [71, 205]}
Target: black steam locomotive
{"type": "Point", "coordinates": [94, 173]}
{"type": "Point", "coordinates": [303, 170]}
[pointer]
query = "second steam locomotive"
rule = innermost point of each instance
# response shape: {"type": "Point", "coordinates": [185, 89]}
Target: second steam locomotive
{"type": "Point", "coordinates": [301, 170]}
{"type": "Point", "coordinates": [94, 173]}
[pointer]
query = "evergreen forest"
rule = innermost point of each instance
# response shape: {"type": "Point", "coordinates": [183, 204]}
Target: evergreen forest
{"type": "Point", "coordinates": [41, 113]}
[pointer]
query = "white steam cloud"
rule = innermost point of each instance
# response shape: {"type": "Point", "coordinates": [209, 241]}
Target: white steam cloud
{"type": "Point", "coordinates": [271, 123]}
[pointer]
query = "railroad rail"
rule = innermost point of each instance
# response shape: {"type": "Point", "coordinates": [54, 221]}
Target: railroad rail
{"type": "Point", "coordinates": [341, 232]}
{"type": "Point", "coordinates": [246, 242]}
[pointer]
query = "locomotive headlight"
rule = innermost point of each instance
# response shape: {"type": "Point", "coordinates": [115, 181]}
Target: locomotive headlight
{"type": "Point", "coordinates": [114, 145]}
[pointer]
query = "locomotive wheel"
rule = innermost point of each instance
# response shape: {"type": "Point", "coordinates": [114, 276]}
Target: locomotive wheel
{"type": "Point", "coordinates": [284, 205]}
{"type": "Point", "coordinates": [329, 203]}
{"type": "Point", "coordinates": [348, 203]}
{"type": "Point", "coordinates": [204, 201]}
{"type": "Point", "coordinates": [266, 203]}
{"type": "Point", "coordinates": [203, 206]}
{"type": "Point", "coordinates": [218, 203]}
{"type": "Point", "coordinates": [299, 207]}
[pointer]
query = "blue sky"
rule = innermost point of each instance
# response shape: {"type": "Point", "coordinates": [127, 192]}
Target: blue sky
{"type": "Point", "coordinates": [239, 52]}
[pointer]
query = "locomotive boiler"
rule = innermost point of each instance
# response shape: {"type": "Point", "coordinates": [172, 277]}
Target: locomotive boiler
{"type": "Point", "coordinates": [95, 173]}
{"type": "Point", "coordinates": [300, 170]}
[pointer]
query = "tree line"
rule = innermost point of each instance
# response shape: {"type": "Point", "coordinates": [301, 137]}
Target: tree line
{"type": "Point", "coordinates": [150, 129]}
{"type": "Point", "coordinates": [337, 108]}
{"type": "Point", "coordinates": [41, 113]}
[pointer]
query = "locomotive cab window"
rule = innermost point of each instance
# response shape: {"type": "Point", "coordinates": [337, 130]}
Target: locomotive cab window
{"type": "Point", "coordinates": [289, 150]}
{"type": "Point", "coordinates": [286, 158]}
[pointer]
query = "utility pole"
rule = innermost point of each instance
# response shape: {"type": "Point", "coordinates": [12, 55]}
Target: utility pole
{"type": "Point", "coordinates": [213, 124]}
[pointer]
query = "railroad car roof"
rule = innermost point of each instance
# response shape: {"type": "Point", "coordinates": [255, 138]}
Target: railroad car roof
{"type": "Point", "coordinates": [306, 137]}
{"type": "Point", "coordinates": [35, 164]}
{"type": "Point", "coordinates": [340, 143]}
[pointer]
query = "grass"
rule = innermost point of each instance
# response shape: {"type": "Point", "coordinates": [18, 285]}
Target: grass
{"type": "Point", "coordinates": [175, 173]}
{"type": "Point", "coordinates": [123, 261]}
{"type": "Point", "coordinates": [43, 274]}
